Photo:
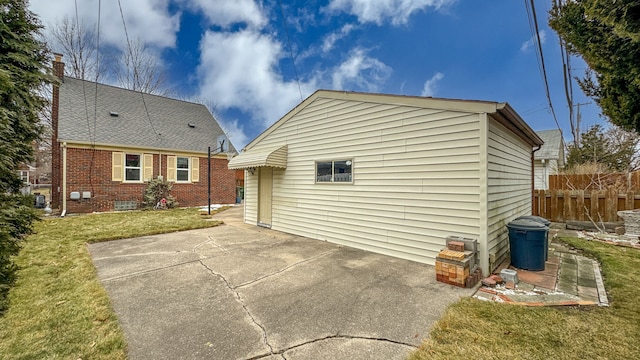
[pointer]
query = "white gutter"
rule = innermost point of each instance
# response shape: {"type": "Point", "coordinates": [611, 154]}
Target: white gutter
{"type": "Point", "coordinates": [64, 179]}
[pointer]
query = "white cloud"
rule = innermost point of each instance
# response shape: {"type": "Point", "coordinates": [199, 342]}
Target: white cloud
{"type": "Point", "coordinates": [360, 72]}
{"type": "Point", "coordinates": [225, 13]}
{"type": "Point", "coordinates": [147, 20]}
{"type": "Point", "coordinates": [239, 70]}
{"type": "Point", "coordinates": [330, 40]}
{"type": "Point", "coordinates": [235, 132]}
{"type": "Point", "coordinates": [379, 11]}
{"type": "Point", "coordinates": [431, 85]}
{"type": "Point", "coordinates": [526, 46]}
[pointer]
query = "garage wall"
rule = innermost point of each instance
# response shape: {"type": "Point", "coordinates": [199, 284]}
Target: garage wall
{"type": "Point", "coordinates": [508, 186]}
{"type": "Point", "coordinates": [251, 197]}
{"type": "Point", "coordinates": [415, 176]}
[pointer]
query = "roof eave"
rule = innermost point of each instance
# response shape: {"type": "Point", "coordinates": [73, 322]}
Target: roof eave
{"type": "Point", "coordinates": [510, 118]}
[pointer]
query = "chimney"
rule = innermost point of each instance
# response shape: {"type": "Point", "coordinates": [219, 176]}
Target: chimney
{"type": "Point", "coordinates": [56, 161]}
{"type": "Point", "coordinates": [58, 66]}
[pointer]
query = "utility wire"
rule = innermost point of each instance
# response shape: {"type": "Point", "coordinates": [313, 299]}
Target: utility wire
{"type": "Point", "coordinates": [536, 29]}
{"type": "Point", "coordinates": [293, 60]}
{"type": "Point", "coordinates": [84, 90]}
{"type": "Point", "coordinates": [95, 109]}
{"type": "Point", "coordinates": [135, 70]}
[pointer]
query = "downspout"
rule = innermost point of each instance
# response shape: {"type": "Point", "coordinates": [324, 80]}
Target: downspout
{"type": "Point", "coordinates": [64, 179]}
{"type": "Point", "coordinates": [533, 176]}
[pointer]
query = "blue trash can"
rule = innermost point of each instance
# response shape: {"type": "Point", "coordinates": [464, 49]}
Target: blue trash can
{"type": "Point", "coordinates": [526, 242]}
{"type": "Point", "coordinates": [544, 222]}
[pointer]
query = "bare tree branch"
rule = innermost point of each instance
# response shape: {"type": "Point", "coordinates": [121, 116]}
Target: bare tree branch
{"type": "Point", "coordinates": [138, 70]}
{"type": "Point", "coordinates": [78, 43]}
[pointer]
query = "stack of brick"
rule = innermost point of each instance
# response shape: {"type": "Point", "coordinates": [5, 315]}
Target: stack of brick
{"type": "Point", "coordinates": [457, 264]}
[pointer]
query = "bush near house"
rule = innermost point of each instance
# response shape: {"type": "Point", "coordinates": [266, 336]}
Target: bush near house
{"type": "Point", "coordinates": [156, 191]}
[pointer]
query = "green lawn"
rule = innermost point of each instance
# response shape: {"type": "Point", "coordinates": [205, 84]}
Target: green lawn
{"type": "Point", "coordinates": [59, 309]}
{"type": "Point", "coordinates": [474, 329]}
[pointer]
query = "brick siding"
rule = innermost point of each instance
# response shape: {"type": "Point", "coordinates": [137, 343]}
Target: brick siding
{"type": "Point", "coordinates": [90, 170]}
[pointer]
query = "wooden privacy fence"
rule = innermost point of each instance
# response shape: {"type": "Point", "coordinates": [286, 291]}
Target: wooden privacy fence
{"type": "Point", "coordinates": [626, 181]}
{"type": "Point", "coordinates": [600, 205]}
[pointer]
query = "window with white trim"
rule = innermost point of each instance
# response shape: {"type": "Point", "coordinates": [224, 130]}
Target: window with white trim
{"type": "Point", "coordinates": [24, 176]}
{"type": "Point", "coordinates": [339, 171]}
{"type": "Point", "coordinates": [132, 167]}
{"type": "Point", "coordinates": [182, 169]}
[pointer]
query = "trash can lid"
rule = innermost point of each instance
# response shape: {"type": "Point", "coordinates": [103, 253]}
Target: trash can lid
{"type": "Point", "coordinates": [535, 218]}
{"type": "Point", "coordinates": [525, 224]}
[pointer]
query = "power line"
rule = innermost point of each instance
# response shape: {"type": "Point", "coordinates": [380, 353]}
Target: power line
{"type": "Point", "coordinates": [84, 91]}
{"type": "Point", "coordinates": [95, 114]}
{"type": "Point", "coordinates": [293, 60]}
{"type": "Point", "coordinates": [135, 70]}
{"type": "Point", "coordinates": [533, 20]}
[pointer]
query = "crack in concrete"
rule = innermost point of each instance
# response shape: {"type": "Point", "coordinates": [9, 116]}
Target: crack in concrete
{"type": "Point", "coordinates": [281, 352]}
{"type": "Point", "coordinates": [244, 306]}
{"type": "Point", "coordinates": [210, 241]}
{"type": "Point", "coordinates": [140, 254]}
{"type": "Point", "coordinates": [144, 272]}
{"type": "Point", "coordinates": [284, 269]}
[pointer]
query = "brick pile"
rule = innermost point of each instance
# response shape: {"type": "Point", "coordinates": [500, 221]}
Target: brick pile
{"type": "Point", "coordinates": [457, 264]}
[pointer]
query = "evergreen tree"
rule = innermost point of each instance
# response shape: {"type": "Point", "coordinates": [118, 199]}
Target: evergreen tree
{"type": "Point", "coordinates": [23, 72]}
{"type": "Point", "coordinates": [606, 34]}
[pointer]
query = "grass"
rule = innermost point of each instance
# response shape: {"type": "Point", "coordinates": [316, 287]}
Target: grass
{"type": "Point", "coordinates": [476, 329]}
{"type": "Point", "coordinates": [58, 308]}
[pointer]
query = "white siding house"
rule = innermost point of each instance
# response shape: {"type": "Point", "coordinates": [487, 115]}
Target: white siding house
{"type": "Point", "coordinates": [549, 159]}
{"type": "Point", "coordinates": [392, 174]}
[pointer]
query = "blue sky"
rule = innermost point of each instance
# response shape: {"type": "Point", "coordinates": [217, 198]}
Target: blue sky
{"type": "Point", "coordinates": [236, 55]}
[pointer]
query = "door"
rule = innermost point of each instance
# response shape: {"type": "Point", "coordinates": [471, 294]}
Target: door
{"type": "Point", "coordinates": [265, 188]}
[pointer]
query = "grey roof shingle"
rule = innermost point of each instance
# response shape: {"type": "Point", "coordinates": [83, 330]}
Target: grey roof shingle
{"type": "Point", "coordinates": [165, 127]}
{"type": "Point", "coordinates": [552, 144]}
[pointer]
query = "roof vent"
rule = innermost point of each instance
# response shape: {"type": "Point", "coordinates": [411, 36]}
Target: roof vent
{"type": "Point", "coordinates": [191, 125]}
{"type": "Point", "coordinates": [114, 114]}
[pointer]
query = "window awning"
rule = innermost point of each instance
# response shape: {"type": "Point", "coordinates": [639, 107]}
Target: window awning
{"type": "Point", "coordinates": [271, 156]}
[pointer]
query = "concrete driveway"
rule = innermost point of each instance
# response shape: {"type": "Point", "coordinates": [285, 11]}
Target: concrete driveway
{"type": "Point", "coordinates": [242, 292]}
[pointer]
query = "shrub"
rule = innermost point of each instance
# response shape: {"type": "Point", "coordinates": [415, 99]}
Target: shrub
{"type": "Point", "coordinates": [156, 191]}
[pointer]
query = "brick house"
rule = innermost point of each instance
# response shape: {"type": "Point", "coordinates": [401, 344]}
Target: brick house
{"type": "Point", "coordinates": [107, 142]}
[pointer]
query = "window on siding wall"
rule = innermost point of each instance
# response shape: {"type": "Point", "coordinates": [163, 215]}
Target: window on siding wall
{"type": "Point", "coordinates": [24, 176]}
{"type": "Point", "coordinates": [182, 169]}
{"type": "Point", "coordinates": [334, 171]}
{"type": "Point", "coordinates": [132, 167]}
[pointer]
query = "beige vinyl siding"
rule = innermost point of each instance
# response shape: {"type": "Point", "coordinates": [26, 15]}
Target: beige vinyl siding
{"type": "Point", "coordinates": [415, 177]}
{"type": "Point", "coordinates": [251, 197]}
{"type": "Point", "coordinates": [542, 172]}
{"type": "Point", "coordinates": [508, 186]}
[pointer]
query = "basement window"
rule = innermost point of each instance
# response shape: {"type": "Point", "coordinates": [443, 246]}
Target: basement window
{"type": "Point", "coordinates": [337, 171]}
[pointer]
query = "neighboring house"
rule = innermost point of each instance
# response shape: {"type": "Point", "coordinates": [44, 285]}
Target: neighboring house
{"type": "Point", "coordinates": [26, 173]}
{"type": "Point", "coordinates": [108, 142]}
{"type": "Point", "coordinates": [549, 159]}
{"type": "Point", "coordinates": [392, 174]}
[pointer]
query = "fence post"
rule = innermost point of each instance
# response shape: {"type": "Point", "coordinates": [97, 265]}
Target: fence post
{"type": "Point", "coordinates": [580, 205]}
{"type": "Point", "coordinates": [612, 205]}
{"type": "Point", "coordinates": [553, 211]}
{"type": "Point", "coordinates": [567, 214]}
{"type": "Point", "coordinates": [628, 204]}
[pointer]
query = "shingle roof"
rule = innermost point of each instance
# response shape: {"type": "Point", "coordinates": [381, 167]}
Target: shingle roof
{"type": "Point", "coordinates": [170, 124]}
{"type": "Point", "coordinates": [552, 144]}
